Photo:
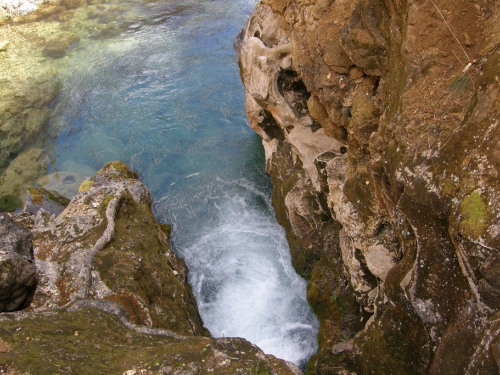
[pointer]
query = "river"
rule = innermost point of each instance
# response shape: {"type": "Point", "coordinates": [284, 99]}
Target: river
{"type": "Point", "coordinates": [160, 90]}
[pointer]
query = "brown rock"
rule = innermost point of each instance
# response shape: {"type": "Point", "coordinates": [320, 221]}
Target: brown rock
{"type": "Point", "coordinates": [355, 73]}
{"type": "Point", "coordinates": [409, 204]}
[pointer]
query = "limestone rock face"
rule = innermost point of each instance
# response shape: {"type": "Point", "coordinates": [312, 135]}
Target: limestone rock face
{"type": "Point", "coordinates": [379, 121]}
{"type": "Point", "coordinates": [17, 270]}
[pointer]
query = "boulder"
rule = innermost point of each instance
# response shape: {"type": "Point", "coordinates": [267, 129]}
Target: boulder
{"type": "Point", "coordinates": [18, 277]}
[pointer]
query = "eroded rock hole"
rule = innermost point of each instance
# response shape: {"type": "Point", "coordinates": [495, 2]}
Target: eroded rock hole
{"type": "Point", "coordinates": [369, 277]}
{"type": "Point", "coordinates": [376, 82]}
{"type": "Point", "coordinates": [270, 126]}
{"type": "Point", "coordinates": [315, 126]}
{"type": "Point", "coordinates": [291, 87]}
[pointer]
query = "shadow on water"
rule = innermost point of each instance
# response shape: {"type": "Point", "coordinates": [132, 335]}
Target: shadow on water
{"type": "Point", "coordinates": [156, 85]}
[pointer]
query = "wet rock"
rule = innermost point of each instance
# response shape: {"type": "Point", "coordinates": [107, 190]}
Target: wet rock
{"type": "Point", "coordinates": [64, 183]}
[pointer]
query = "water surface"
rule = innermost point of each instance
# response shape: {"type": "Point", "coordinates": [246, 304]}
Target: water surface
{"type": "Point", "coordinates": [161, 92]}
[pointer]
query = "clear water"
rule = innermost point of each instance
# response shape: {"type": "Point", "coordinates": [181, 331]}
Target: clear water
{"type": "Point", "coordinates": [163, 94]}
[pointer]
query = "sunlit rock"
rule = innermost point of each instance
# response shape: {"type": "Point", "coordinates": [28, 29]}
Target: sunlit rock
{"type": "Point", "coordinates": [405, 174]}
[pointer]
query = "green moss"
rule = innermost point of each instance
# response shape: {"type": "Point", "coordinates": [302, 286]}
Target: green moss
{"type": "Point", "coordinates": [167, 229]}
{"type": "Point", "coordinates": [36, 195]}
{"type": "Point", "coordinates": [106, 200]}
{"type": "Point", "coordinates": [490, 73]}
{"type": "Point", "coordinates": [142, 270]}
{"type": "Point", "coordinates": [118, 168]}
{"type": "Point", "coordinates": [90, 341]}
{"type": "Point", "coordinates": [9, 203]}
{"type": "Point", "coordinates": [404, 337]}
{"type": "Point", "coordinates": [361, 194]}
{"type": "Point", "coordinates": [63, 201]}
{"type": "Point", "coordinates": [475, 216]}
{"type": "Point", "coordinates": [40, 195]}
{"type": "Point", "coordinates": [448, 187]}
{"type": "Point", "coordinates": [85, 185]}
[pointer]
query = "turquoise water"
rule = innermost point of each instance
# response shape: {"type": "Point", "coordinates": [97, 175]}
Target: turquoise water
{"type": "Point", "coordinates": [162, 93]}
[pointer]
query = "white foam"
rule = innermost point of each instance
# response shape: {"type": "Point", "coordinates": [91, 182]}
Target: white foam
{"type": "Point", "coordinates": [242, 276]}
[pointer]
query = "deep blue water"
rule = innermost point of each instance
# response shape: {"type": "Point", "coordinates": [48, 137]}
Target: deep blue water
{"type": "Point", "coordinates": [163, 94]}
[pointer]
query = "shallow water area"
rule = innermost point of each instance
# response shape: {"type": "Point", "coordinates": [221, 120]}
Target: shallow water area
{"type": "Point", "coordinates": [156, 85]}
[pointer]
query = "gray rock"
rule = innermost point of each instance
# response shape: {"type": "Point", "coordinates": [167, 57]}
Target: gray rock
{"type": "Point", "coordinates": [17, 270]}
{"type": "Point", "coordinates": [15, 238]}
{"type": "Point", "coordinates": [51, 201]}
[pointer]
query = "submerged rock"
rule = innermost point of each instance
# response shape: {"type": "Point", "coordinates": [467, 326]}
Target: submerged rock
{"type": "Point", "coordinates": [21, 173]}
{"type": "Point", "coordinates": [58, 47]}
{"type": "Point", "coordinates": [64, 183]}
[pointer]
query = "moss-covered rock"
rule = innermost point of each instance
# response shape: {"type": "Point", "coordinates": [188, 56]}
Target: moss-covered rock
{"type": "Point", "coordinates": [115, 250]}
{"type": "Point", "coordinates": [38, 198]}
{"type": "Point", "coordinates": [90, 340]}
{"type": "Point", "coordinates": [475, 216]}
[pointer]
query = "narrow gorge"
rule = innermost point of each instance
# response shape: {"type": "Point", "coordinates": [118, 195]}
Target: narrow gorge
{"type": "Point", "coordinates": [378, 181]}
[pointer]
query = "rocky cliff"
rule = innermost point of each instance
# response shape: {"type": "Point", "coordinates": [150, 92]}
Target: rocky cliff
{"type": "Point", "coordinates": [380, 123]}
{"type": "Point", "coordinates": [112, 297]}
